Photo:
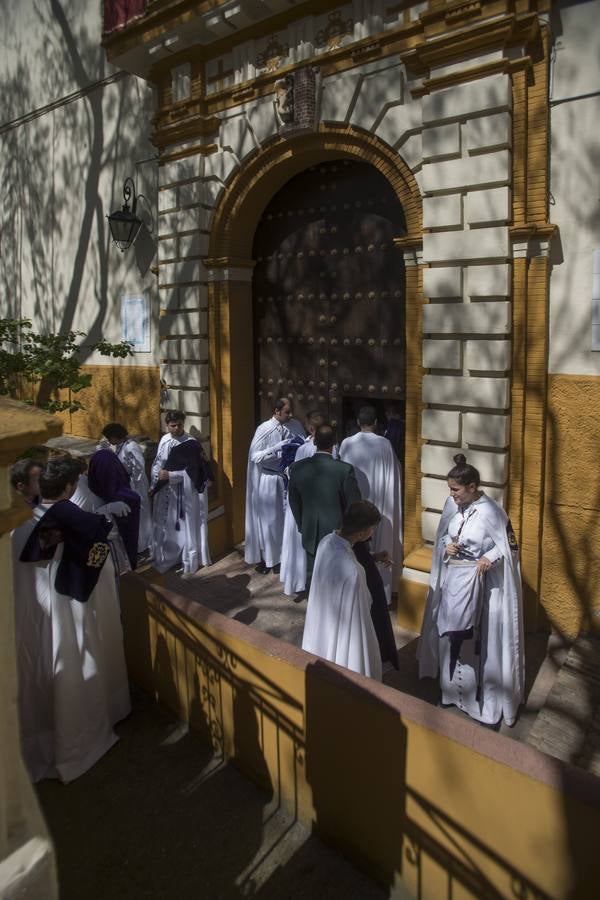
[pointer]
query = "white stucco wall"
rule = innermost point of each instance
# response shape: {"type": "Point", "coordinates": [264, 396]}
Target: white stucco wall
{"type": "Point", "coordinates": [575, 184]}
{"type": "Point", "coordinates": [62, 172]}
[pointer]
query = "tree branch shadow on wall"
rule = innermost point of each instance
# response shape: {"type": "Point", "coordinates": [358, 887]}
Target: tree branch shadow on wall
{"type": "Point", "coordinates": [55, 264]}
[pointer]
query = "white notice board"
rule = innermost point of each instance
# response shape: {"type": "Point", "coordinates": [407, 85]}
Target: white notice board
{"type": "Point", "coordinates": [135, 321]}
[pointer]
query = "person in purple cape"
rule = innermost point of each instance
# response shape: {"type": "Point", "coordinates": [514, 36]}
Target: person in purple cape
{"type": "Point", "coordinates": [72, 679]}
{"type": "Point", "coordinates": [108, 479]}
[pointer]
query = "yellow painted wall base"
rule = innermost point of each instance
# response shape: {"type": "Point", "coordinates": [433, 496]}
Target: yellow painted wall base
{"type": "Point", "coordinates": [126, 394]}
{"type": "Point", "coordinates": [571, 537]}
{"type": "Point", "coordinates": [411, 793]}
{"type": "Point", "coordinates": [411, 604]}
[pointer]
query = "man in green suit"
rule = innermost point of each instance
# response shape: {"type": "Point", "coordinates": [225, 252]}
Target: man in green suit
{"type": "Point", "coordinates": [321, 488]}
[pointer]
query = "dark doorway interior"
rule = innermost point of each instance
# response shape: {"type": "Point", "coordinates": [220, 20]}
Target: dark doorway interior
{"type": "Point", "coordinates": [328, 296]}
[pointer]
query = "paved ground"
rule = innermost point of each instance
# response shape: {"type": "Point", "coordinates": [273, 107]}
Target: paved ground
{"type": "Point", "coordinates": [568, 726]}
{"type": "Point", "coordinates": [159, 817]}
{"type": "Point", "coordinates": [234, 589]}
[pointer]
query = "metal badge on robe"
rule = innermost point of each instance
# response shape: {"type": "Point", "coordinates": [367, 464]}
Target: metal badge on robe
{"type": "Point", "coordinates": [86, 549]}
{"type": "Point", "coordinates": [512, 540]}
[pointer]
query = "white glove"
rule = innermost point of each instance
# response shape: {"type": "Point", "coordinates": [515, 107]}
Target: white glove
{"type": "Point", "coordinates": [116, 508]}
{"type": "Point", "coordinates": [282, 444]}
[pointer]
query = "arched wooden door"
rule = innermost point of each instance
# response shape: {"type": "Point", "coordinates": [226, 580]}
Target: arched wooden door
{"type": "Point", "coordinates": [328, 295]}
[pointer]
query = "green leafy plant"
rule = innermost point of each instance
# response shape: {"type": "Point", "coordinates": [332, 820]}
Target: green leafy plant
{"type": "Point", "coordinates": [48, 362]}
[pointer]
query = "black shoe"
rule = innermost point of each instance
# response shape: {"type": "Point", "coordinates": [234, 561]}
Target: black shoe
{"type": "Point", "coordinates": [276, 569]}
{"type": "Point", "coordinates": [261, 568]}
{"type": "Point", "coordinates": [300, 597]}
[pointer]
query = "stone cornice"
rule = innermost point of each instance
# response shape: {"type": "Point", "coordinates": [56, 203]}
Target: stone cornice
{"type": "Point", "coordinates": [505, 66]}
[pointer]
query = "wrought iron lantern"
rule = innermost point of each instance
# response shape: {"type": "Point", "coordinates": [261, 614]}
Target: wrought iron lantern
{"type": "Point", "coordinates": [124, 223]}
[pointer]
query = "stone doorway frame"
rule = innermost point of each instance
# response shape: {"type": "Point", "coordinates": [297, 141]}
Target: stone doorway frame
{"type": "Point", "coordinates": [229, 265]}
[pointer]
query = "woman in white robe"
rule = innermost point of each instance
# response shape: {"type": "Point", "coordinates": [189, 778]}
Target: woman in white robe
{"type": "Point", "coordinates": [472, 634]}
{"type": "Point", "coordinates": [176, 537]}
{"type": "Point", "coordinates": [338, 623]}
{"type": "Point", "coordinates": [72, 680]}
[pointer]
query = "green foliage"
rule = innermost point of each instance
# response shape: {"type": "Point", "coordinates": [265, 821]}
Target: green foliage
{"type": "Point", "coordinates": [48, 362]}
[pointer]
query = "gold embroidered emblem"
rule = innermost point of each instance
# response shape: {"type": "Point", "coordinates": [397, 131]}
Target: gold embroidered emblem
{"type": "Point", "coordinates": [97, 555]}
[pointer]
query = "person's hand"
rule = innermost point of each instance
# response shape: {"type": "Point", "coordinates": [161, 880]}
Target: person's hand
{"type": "Point", "coordinates": [483, 566]}
{"type": "Point", "coordinates": [453, 549]}
{"type": "Point", "coordinates": [384, 558]}
{"type": "Point", "coordinates": [163, 475]}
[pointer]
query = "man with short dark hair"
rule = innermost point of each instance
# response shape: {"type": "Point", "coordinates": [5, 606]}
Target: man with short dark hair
{"type": "Point", "coordinates": [265, 489]}
{"type": "Point", "coordinates": [338, 622]}
{"type": "Point", "coordinates": [72, 679]}
{"type": "Point", "coordinates": [25, 479]}
{"type": "Point", "coordinates": [378, 476]}
{"type": "Point", "coordinates": [180, 478]}
{"type": "Point", "coordinates": [321, 489]}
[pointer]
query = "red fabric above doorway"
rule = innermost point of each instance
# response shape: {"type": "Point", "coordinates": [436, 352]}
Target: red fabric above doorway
{"type": "Point", "coordinates": [119, 12]}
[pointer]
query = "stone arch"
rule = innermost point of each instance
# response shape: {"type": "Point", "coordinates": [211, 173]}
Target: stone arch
{"type": "Point", "coordinates": [229, 267]}
{"type": "Point", "coordinates": [265, 171]}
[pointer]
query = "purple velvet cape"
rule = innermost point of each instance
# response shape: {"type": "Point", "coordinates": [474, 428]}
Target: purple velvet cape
{"type": "Point", "coordinates": [86, 548]}
{"type": "Point", "coordinates": [108, 479]}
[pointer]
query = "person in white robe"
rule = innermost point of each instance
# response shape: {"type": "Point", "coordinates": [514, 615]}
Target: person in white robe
{"type": "Point", "coordinates": [131, 455]}
{"type": "Point", "coordinates": [338, 623]}
{"type": "Point", "coordinates": [180, 510]}
{"type": "Point", "coordinates": [472, 634]}
{"type": "Point", "coordinates": [293, 557]}
{"type": "Point", "coordinates": [379, 480]}
{"type": "Point", "coordinates": [265, 489]}
{"type": "Point", "coordinates": [72, 679]}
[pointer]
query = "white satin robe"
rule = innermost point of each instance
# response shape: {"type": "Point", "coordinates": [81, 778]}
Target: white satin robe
{"type": "Point", "coordinates": [189, 543]}
{"type": "Point", "coordinates": [338, 623]}
{"type": "Point", "coordinates": [379, 481]}
{"type": "Point", "coordinates": [72, 680]}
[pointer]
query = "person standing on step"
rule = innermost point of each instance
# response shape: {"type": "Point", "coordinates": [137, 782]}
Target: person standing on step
{"type": "Point", "coordinates": [472, 633]}
{"type": "Point", "coordinates": [265, 490]}
{"type": "Point", "coordinates": [181, 476]}
{"type": "Point", "coordinates": [293, 557]}
{"type": "Point", "coordinates": [131, 455]}
{"type": "Point", "coordinates": [338, 623]}
{"type": "Point", "coordinates": [378, 475]}
{"type": "Point", "coordinates": [321, 488]}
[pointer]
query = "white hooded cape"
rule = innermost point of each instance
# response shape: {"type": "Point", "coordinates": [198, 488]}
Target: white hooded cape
{"type": "Point", "coordinates": [503, 666]}
{"type": "Point", "coordinates": [190, 543]}
{"type": "Point", "coordinates": [131, 455]}
{"type": "Point", "coordinates": [72, 680]}
{"type": "Point", "coordinates": [379, 480]}
{"type": "Point", "coordinates": [265, 495]}
{"type": "Point", "coordinates": [338, 622]}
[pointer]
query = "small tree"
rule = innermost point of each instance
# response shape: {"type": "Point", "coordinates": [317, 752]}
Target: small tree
{"type": "Point", "coordinates": [48, 362]}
